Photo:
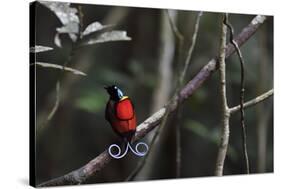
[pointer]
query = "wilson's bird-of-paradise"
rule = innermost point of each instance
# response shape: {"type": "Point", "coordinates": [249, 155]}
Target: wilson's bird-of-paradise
{"type": "Point", "coordinates": [120, 113]}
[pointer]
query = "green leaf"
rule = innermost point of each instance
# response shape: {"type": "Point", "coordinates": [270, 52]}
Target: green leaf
{"type": "Point", "coordinates": [209, 135]}
{"type": "Point", "coordinates": [93, 101]}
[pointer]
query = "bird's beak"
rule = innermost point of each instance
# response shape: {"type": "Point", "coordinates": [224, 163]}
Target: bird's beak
{"type": "Point", "coordinates": [105, 87]}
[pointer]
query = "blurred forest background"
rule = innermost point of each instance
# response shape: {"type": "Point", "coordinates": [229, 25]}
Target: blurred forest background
{"type": "Point", "coordinates": [145, 69]}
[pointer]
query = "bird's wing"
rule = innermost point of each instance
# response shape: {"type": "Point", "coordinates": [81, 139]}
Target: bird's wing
{"type": "Point", "coordinates": [109, 111]}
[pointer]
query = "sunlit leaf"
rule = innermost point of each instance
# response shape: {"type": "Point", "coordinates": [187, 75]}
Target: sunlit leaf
{"type": "Point", "coordinates": [110, 36]}
{"type": "Point", "coordinates": [63, 11]}
{"type": "Point", "coordinates": [39, 48]}
{"type": "Point", "coordinates": [56, 66]}
{"type": "Point", "coordinates": [67, 15]}
{"type": "Point", "coordinates": [57, 40]}
{"type": "Point", "coordinates": [71, 27]}
{"type": "Point", "coordinates": [94, 27]}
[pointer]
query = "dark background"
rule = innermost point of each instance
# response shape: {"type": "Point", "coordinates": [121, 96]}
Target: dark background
{"type": "Point", "coordinates": [79, 132]}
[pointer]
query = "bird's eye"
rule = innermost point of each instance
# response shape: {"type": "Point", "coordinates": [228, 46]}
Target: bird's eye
{"type": "Point", "coordinates": [115, 87]}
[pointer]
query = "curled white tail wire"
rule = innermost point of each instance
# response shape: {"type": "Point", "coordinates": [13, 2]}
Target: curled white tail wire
{"type": "Point", "coordinates": [135, 150]}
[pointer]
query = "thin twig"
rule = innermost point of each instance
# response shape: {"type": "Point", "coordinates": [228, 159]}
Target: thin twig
{"type": "Point", "coordinates": [73, 49]}
{"type": "Point", "coordinates": [180, 83]}
{"type": "Point", "coordinates": [225, 110]}
{"type": "Point", "coordinates": [98, 163]}
{"type": "Point", "coordinates": [252, 102]}
{"type": "Point", "coordinates": [158, 132]}
{"type": "Point", "coordinates": [163, 89]}
{"type": "Point", "coordinates": [55, 107]}
{"type": "Point", "coordinates": [191, 48]}
{"type": "Point", "coordinates": [242, 91]}
{"type": "Point", "coordinates": [179, 37]}
{"type": "Point", "coordinates": [174, 27]}
{"type": "Point", "coordinates": [58, 83]}
{"type": "Point", "coordinates": [178, 141]}
{"type": "Point", "coordinates": [166, 54]}
{"type": "Point", "coordinates": [115, 16]}
{"type": "Point", "coordinates": [142, 162]}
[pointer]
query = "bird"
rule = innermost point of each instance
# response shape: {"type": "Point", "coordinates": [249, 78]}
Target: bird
{"type": "Point", "coordinates": [120, 113]}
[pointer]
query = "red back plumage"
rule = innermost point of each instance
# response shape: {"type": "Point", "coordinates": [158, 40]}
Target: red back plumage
{"type": "Point", "coordinates": [124, 109]}
{"type": "Point", "coordinates": [122, 117]}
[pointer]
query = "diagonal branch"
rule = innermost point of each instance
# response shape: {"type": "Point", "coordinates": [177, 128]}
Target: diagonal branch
{"type": "Point", "coordinates": [91, 168]}
{"type": "Point", "coordinates": [191, 48]}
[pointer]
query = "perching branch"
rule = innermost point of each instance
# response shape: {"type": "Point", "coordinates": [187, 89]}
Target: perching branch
{"type": "Point", "coordinates": [242, 91]}
{"type": "Point", "coordinates": [225, 115]}
{"type": "Point", "coordinates": [91, 168]}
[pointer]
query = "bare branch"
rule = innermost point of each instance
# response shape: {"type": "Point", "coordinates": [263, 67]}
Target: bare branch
{"type": "Point", "coordinates": [225, 115]}
{"type": "Point", "coordinates": [242, 91]}
{"type": "Point", "coordinates": [166, 55]}
{"type": "Point", "coordinates": [91, 168]}
{"type": "Point", "coordinates": [208, 69]}
{"type": "Point", "coordinates": [252, 102]}
{"type": "Point", "coordinates": [163, 89]}
{"type": "Point", "coordinates": [58, 84]}
{"type": "Point", "coordinates": [115, 16]}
